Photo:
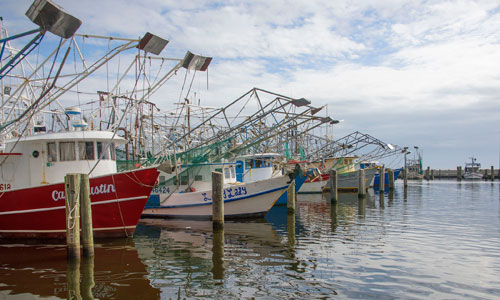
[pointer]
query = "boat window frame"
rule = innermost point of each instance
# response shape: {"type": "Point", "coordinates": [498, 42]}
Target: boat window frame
{"type": "Point", "coordinates": [103, 149]}
{"type": "Point", "coordinates": [71, 151]}
{"type": "Point", "coordinates": [248, 163]}
{"type": "Point", "coordinates": [227, 173]}
{"type": "Point", "coordinates": [85, 150]}
{"type": "Point", "coordinates": [51, 153]}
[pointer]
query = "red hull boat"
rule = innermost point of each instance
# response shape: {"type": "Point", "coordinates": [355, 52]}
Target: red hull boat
{"type": "Point", "coordinates": [39, 212]}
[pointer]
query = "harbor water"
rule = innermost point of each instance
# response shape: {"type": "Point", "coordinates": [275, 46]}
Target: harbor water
{"type": "Point", "coordinates": [439, 240]}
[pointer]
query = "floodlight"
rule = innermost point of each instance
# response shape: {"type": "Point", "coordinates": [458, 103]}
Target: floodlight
{"type": "Point", "coordinates": [316, 110]}
{"type": "Point", "coordinates": [325, 119]}
{"type": "Point", "coordinates": [300, 102]}
{"type": "Point", "coordinates": [196, 62]}
{"type": "Point", "coordinates": [51, 17]}
{"type": "Point", "coordinates": [152, 43]}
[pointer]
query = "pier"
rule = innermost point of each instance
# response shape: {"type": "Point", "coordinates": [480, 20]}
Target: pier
{"type": "Point", "coordinates": [430, 174]}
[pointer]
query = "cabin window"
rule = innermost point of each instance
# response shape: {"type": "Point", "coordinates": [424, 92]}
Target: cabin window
{"type": "Point", "coordinates": [51, 152]}
{"type": "Point", "coordinates": [67, 151]}
{"type": "Point", "coordinates": [258, 163]}
{"type": "Point", "coordinates": [112, 151]}
{"type": "Point", "coordinates": [184, 180]}
{"type": "Point", "coordinates": [233, 173]}
{"type": "Point", "coordinates": [268, 162]}
{"type": "Point", "coordinates": [198, 178]}
{"type": "Point", "coordinates": [227, 173]}
{"type": "Point", "coordinates": [249, 163]}
{"type": "Point", "coordinates": [86, 150]}
{"type": "Point", "coordinates": [218, 170]}
{"type": "Point", "coordinates": [102, 150]}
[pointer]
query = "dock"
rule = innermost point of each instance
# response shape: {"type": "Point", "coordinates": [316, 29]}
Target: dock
{"type": "Point", "coordinates": [431, 174]}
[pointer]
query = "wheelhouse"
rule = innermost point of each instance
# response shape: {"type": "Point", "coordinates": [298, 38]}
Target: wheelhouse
{"type": "Point", "coordinates": [47, 158]}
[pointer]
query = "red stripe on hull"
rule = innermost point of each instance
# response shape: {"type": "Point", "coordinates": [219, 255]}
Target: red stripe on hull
{"type": "Point", "coordinates": [39, 212]}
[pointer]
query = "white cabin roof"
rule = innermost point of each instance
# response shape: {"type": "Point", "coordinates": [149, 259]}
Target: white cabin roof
{"type": "Point", "coordinates": [93, 135]}
{"type": "Point", "coordinates": [258, 155]}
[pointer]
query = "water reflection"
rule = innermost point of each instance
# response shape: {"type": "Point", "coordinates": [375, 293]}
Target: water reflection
{"type": "Point", "coordinates": [218, 253]}
{"type": "Point", "coordinates": [116, 272]}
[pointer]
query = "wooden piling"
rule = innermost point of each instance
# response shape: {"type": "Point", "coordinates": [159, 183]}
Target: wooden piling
{"type": "Point", "coordinates": [72, 195]}
{"type": "Point", "coordinates": [459, 173]}
{"type": "Point", "coordinates": [492, 173]}
{"type": "Point", "coordinates": [432, 174]}
{"type": "Point", "coordinates": [405, 177]}
{"type": "Point", "coordinates": [86, 216]}
{"type": "Point", "coordinates": [361, 184]}
{"type": "Point", "coordinates": [382, 179]}
{"type": "Point", "coordinates": [334, 196]}
{"type": "Point", "coordinates": [217, 200]}
{"type": "Point", "coordinates": [290, 198]}
{"type": "Point", "coordinates": [428, 173]}
{"type": "Point", "coordinates": [390, 173]}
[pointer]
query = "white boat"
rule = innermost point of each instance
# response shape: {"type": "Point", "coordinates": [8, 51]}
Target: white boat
{"type": "Point", "coordinates": [192, 197]}
{"type": "Point", "coordinates": [346, 181]}
{"type": "Point", "coordinates": [471, 171]}
{"type": "Point", "coordinates": [263, 166]}
{"type": "Point", "coordinates": [253, 167]}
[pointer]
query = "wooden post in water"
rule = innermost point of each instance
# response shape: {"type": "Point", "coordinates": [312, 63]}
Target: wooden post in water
{"type": "Point", "coordinates": [405, 177]}
{"type": "Point", "coordinates": [334, 196]}
{"type": "Point", "coordinates": [382, 179]}
{"type": "Point", "coordinates": [459, 173]}
{"type": "Point", "coordinates": [290, 198]}
{"type": "Point", "coordinates": [432, 174]}
{"type": "Point", "coordinates": [492, 173]}
{"type": "Point", "coordinates": [428, 173]}
{"type": "Point", "coordinates": [361, 183]}
{"type": "Point", "coordinates": [217, 200]}
{"type": "Point", "coordinates": [72, 195]}
{"type": "Point", "coordinates": [86, 216]}
{"type": "Point", "coordinates": [390, 173]}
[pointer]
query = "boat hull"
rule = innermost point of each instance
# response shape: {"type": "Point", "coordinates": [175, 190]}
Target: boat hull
{"type": "Point", "coordinates": [40, 212]}
{"type": "Point", "coordinates": [347, 182]}
{"type": "Point", "coordinates": [253, 199]}
{"type": "Point", "coordinates": [376, 179]}
{"type": "Point", "coordinates": [473, 176]}
{"type": "Point", "coordinates": [300, 178]}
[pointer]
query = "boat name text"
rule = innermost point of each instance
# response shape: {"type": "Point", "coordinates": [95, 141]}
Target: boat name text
{"type": "Point", "coordinates": [94, 190]}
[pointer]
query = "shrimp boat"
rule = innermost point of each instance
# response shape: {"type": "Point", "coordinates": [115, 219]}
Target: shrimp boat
{"type": "Point", "coordinates": [471, 171]}
{"type": "Point", "coordinates": [32, 200]}
{"type": "Point", "coordinates": [261, 166]}
{"type": "Point", "coordinates": [190, 195]}
{"type": "Point", "coordinates": [347, 176]}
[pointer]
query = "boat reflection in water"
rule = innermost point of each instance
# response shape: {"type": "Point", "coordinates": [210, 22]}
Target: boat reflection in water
{"type": "Point", "coordinates": [42, 271]}
{"type": "Point", "coordinates": [187, 257]}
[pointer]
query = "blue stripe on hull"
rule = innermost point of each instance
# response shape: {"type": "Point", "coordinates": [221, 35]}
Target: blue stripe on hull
{"type": "Point", "coordinates": [152, 199]}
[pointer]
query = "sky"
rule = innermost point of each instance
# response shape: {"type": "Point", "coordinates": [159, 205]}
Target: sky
{"type": "Point", "coordinates": [410, 73]}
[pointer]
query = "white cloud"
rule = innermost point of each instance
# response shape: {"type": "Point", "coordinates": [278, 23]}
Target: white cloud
{"type": "Point", "coordinates": [407, 60]}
